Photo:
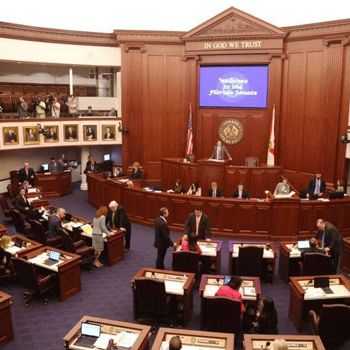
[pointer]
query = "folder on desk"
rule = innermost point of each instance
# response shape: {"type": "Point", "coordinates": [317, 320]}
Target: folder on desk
{"type": "Point", "coordinates": [87, 229]}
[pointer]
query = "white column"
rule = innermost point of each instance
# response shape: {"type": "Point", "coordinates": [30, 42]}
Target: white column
{"type": "Point", "coordinates": [85, 152]}
{"type": "Point", "coordinates": [70, 81]}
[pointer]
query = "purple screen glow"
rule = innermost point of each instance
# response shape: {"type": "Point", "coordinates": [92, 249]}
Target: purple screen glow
{"type": "Point", "coordinates": [233, 86]}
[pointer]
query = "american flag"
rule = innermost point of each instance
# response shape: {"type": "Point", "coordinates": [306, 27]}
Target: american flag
{"type": "Point", "coordinates": [189, 144]}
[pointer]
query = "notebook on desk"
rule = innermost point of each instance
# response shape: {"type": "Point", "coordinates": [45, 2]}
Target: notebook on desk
{"type": "Point", "coordinates": [89, 335]}
{"type": "Point", "coordinates": [53, 259]}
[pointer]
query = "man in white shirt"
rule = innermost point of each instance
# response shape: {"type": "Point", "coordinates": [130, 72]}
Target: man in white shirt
{"type": "Point", "coordinates": [219, 152]}
{"type": "Point", "coordinates": [55, 108]}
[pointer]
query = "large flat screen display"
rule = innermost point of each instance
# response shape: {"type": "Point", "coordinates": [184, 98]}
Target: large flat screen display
{"type": "Point", "coordinates": [233, 86]}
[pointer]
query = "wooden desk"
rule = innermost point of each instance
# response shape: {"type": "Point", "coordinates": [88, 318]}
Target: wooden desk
{"type": "Point", "coordinates": [345, 255]}
{"type": "Point", "coordinates": [269, 256]}
{"type": "Point", "coordinates": [210, 249]}
{"type": "Point", "coordinates": [68, 270]}
{"type": "Point", "coordinates": [184, 294]}
{"type": "Point", "coordinates": [37, 202]}
{"type": "Point", "coordinates": [194, 340]}
{"type": "Point", "coordinates": [305, 342]}
{"type": "Point", "coordinates": [289, 258]}
{"type": "Point", "coordinates": [210, 284]}
{"type": "Point", "coordinates": [28, 246]}
{"type": "Point", "coordinates": [55, 184]}
{"type": "Point", "coordinates": [6, 327]}
{"type": "Point", "coordinates": [109, 327]}
{"type": "Point", "coordinates": [3, 230]}
{"type": "Point", "coordinates": [301, 301]}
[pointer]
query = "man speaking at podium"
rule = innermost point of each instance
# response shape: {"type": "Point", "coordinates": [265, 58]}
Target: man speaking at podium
{"type": "Point", "coordinates": [219, 152]}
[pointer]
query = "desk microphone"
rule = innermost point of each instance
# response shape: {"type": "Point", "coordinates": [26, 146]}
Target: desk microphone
{"type": "Point", "coordinates": [217, 280]}
{"type": "Point", "coordinates": [310, 281]}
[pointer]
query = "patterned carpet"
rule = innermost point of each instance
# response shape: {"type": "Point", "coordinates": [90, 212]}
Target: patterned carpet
{"type": "Point", "coordinates": [106, 292]}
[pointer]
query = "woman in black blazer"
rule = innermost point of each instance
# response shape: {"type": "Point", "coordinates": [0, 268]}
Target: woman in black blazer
{"type": "Point", "coordinates": [136, 172]}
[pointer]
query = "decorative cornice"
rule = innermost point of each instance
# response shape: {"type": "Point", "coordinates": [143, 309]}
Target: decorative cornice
{"type": "Point", "coordinates": [335, 42]}
{"type": "Point", "coordinates": [237, 37]}
{"type": "Point", "coordinates": [135, 47]}
{"type": "Point", "coordinates": [196, 58]}
{"type": "Point", "coordinates": [282, 56]}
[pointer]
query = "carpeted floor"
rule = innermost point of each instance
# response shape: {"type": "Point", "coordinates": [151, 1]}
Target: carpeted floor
{"type": "Point", "coordinates": [106, 292]}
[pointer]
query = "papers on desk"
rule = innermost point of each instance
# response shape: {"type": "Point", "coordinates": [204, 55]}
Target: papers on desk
{"type": "Point", "coordinates": [210, 290]}
{"type": "Point", "coordinates": [172, 287]}
{"type": "Point", "coordinates": [87, 229]}
{"type": "Point", "coordinates": [123, 340]}
{"type": "Point", "coordinates": [13, 249]}
{"type": "Point", "coordinates": [249, 291]}
{"type": "Point", "coordinates": [268, 254]}
{"type": "Point", "coordinates": [217, 160]}
{"type": "Point", "coordinates": [123, 181]}
{"type": "Point", "coordinates": [165, 346]}
{"type": "Point", "coordinates": [291, 194]}
{"type": "Point", "coordinates": [71, 225]}
{"type": "Point", "coordinates": [30, 200]}
{"type": "Point", "coordinates": [208, 251]}
{"type": "Point", "coordinates": [32, 190]}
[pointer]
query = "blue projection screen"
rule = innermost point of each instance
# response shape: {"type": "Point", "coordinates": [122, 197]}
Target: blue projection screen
{"type": "Point", "coordinates": [233, 86]}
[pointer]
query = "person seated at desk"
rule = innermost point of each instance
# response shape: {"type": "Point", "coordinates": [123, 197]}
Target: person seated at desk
{"type": "Point", "coordinates": [214, 191]}
{"type": "Point", "coordinates": [194, 189]}
{"type": "Point", "coordinates": [240, 192]}
{"type": "Point", "coordinates": [62, 163]}
{"type": "Point", "coordinates": [117, 172]}
{"type": "Point", "coordinates": [340, 186]}
{"type": "Point", "coordinates": [91, 168]}
{"type": "Point", "coordinates": [5, 257]}
{"type": "Point", "coordinates": [136, 172]}
{"type": "Point", "coordinates": [280, 344]}
{"type": "Point", "coordinates": [117, 218]}
{"type": "Point", "coordinates": [219, 152]}
{"type": "Point", "coordinates": [24, 207]}
{"type": "Point", "coordinates": [316, 187]}
{"type": "Point", "coordinates": [53, 166]}
{"type": "Point", "coordinates": [232, 290]}
{"type": "Point", "coordinates": [199, 224]}
{"type": "Point", "coordinates": [282, 188]}
{"type": "Point", "coordinates": [266, 321]}
{"type": "Point", "coordinates": [55, 223]}
{"type": "Point", "coordinates": [313, 248]}
{"type": "Point", "coordinates": [26, 173]}
{"type": "Point", "coordinates": [25, 185]}
{"type": "Point", "coordinates": [179, 188]}
{"type": "Point", "coordinates": [97, 233]}
{"type": "Point", "coordinates": [190, 243]}
{"type": "Point", "coordinates": [175, 343]}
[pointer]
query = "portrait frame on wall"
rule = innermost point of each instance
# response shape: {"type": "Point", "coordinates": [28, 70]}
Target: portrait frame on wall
{"type": "Point", "coordinates": [52, 133]}
{"type": "Point", "coordinates": [108, 132]}
{"type": "Point", "coordinates": [90, 132]}
{"type": "Point", "coordinates": [10, 135]}
{"type": "Point", "coordinates": [71, 132]}
{"type": "Point", "coordinates": [31, 135]}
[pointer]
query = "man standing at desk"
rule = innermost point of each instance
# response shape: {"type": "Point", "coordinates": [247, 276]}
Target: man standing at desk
{"type": "Point", "coordinates": [219, 152]}
{"type": "Point", "coordinates": [26, 173]}
{"type": "Point", "coordinates": [316, 187]}
{"type": "Point", "coordinates": [332, 241]}
{"type": "Point", "coordinates": [199, 224]}
{"type": "Point", "coordinates": [55, 223]}
{"type": "Point", "coordinates": [162, 239]}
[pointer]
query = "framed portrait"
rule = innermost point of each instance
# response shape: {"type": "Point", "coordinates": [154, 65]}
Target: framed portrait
{"type": "Point", "coordinates": [52, 134]}
{"type": "Point", "coordinates": [31, 135]}
{"type": "Point", "coordinates": [108, 132]}
{"type": "Point", "coordinates": [90, 132]}
{"type": "Point", "coordinates": [71, 132]}
{"type": "Point", "coordinates": [10, 135]}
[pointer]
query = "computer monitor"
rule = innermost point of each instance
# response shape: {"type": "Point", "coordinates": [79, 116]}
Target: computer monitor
{"type": "Point", "coordinates": [321, 282]}
{"type": "Point", "coordinates": [44, 167]}
{"type": "Point", "coordinates": [303, 244]}
{"type": "Point", "coordinates": [107, 157]}
{"type": "Point", "coordinates": [335, 195]}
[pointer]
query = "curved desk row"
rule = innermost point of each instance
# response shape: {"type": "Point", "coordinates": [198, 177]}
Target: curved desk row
{"type": "Point", "coordinates": [276, 219]}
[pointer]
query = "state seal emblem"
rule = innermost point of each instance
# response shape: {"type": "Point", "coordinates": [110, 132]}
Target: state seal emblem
{"type": "Point", "coordinates": [231, 131]}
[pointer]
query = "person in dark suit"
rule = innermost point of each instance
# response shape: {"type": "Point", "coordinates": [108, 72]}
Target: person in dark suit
{"type": "Point", "coordinates": [219, 152]}
{"type": "Point", "coordinates": [108, 134]}
{"type": "Point", "coordinates": [199, 224]}
{"type": "Point", "coordinates": [10, 136]}
{"type": "Point", "coordinates": [136, 172]}
{"type": "Point", "coordinates": [179, 188]}
{"type": "Point", "coordinates": [26, 173]}
{"type": "Point", "coordinates": [90, 133]}
{"type": "Point", "coordinates": [71, 133]}
{"type": "Point", "coordinates": [51, 134]}
{"type": "Point", "coordinates": [214, 191]}
{"type": "Point", "coordinates": [332, 241]}
{"type": "Point", "coordinates": [91, 167]}
{"type": "Point", "coordinates": [162, 239]}
{"type": "Point", "coordinates": [313, 248]}
{"type": "Point", "coordinates": [240, 192]}
{"type": "Point", "coordinates": [117, 217]}
{"type": "Point", "coordinates": [24, 207]}
{"type": "Point", "coordinates": [55, 223]}
{"type": "Point", "coordinates": [62, 163]}
{"type": "Point", "coordinates": [316, 187]}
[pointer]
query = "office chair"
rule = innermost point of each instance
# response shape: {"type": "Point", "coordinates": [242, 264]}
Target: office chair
{"type": "Point", "coordinates": [40, 236]}
{"type": "Point", "coordinates": [21, 226]}
{"type": "Point", "coordinates": [249, 262]}
{"type": "Point", "coordinates": [151, 298]}
{"type": "Point", "coordinates": [11, 192]}
{"type": "Point", "coordinates": [222, 315]}
{"type": "Point", "coordinates": [315, 264]}
{"type": "Point", "coordinates": [332, 324]}
{"type": "Point", "coordinates": [38, 284]}
{"type": "Point", "coordinates": [186, 261]}
{"type": "Point", "coordinates": [5, 207]}
{"type": "Point", "coordinates": [86, 253]}
{"type": "Point", "coordinates": [252, 162]}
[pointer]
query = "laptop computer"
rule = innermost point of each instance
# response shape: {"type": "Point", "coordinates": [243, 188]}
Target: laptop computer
{"type": "Point", "coordinates": [53, 259]}
{"type": "Point", "coordinates": [89, 334]}
{"type": "Point", "coordinates": [18, 242]}
{"type": "Point", "coordinates": [303, 245]}
{"type": "Point", "coordinates": [323, 282]}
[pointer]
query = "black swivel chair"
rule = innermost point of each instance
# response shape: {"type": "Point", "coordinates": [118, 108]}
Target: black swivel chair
{"type": "Point", "coordinates": [38, 284]}
{"type": "Point", "coordinates": [186, 261]}
{"type": "Point", "coordinates": [40, 236]}
{"type": "Point", "coordinates": [5, 207]}
{"type": "Point", "coordinates": [315, 264]}
{"type": "Point", "coordinates": [249, 262]}
{"type": "Point", "coordinates": [21, 226]}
